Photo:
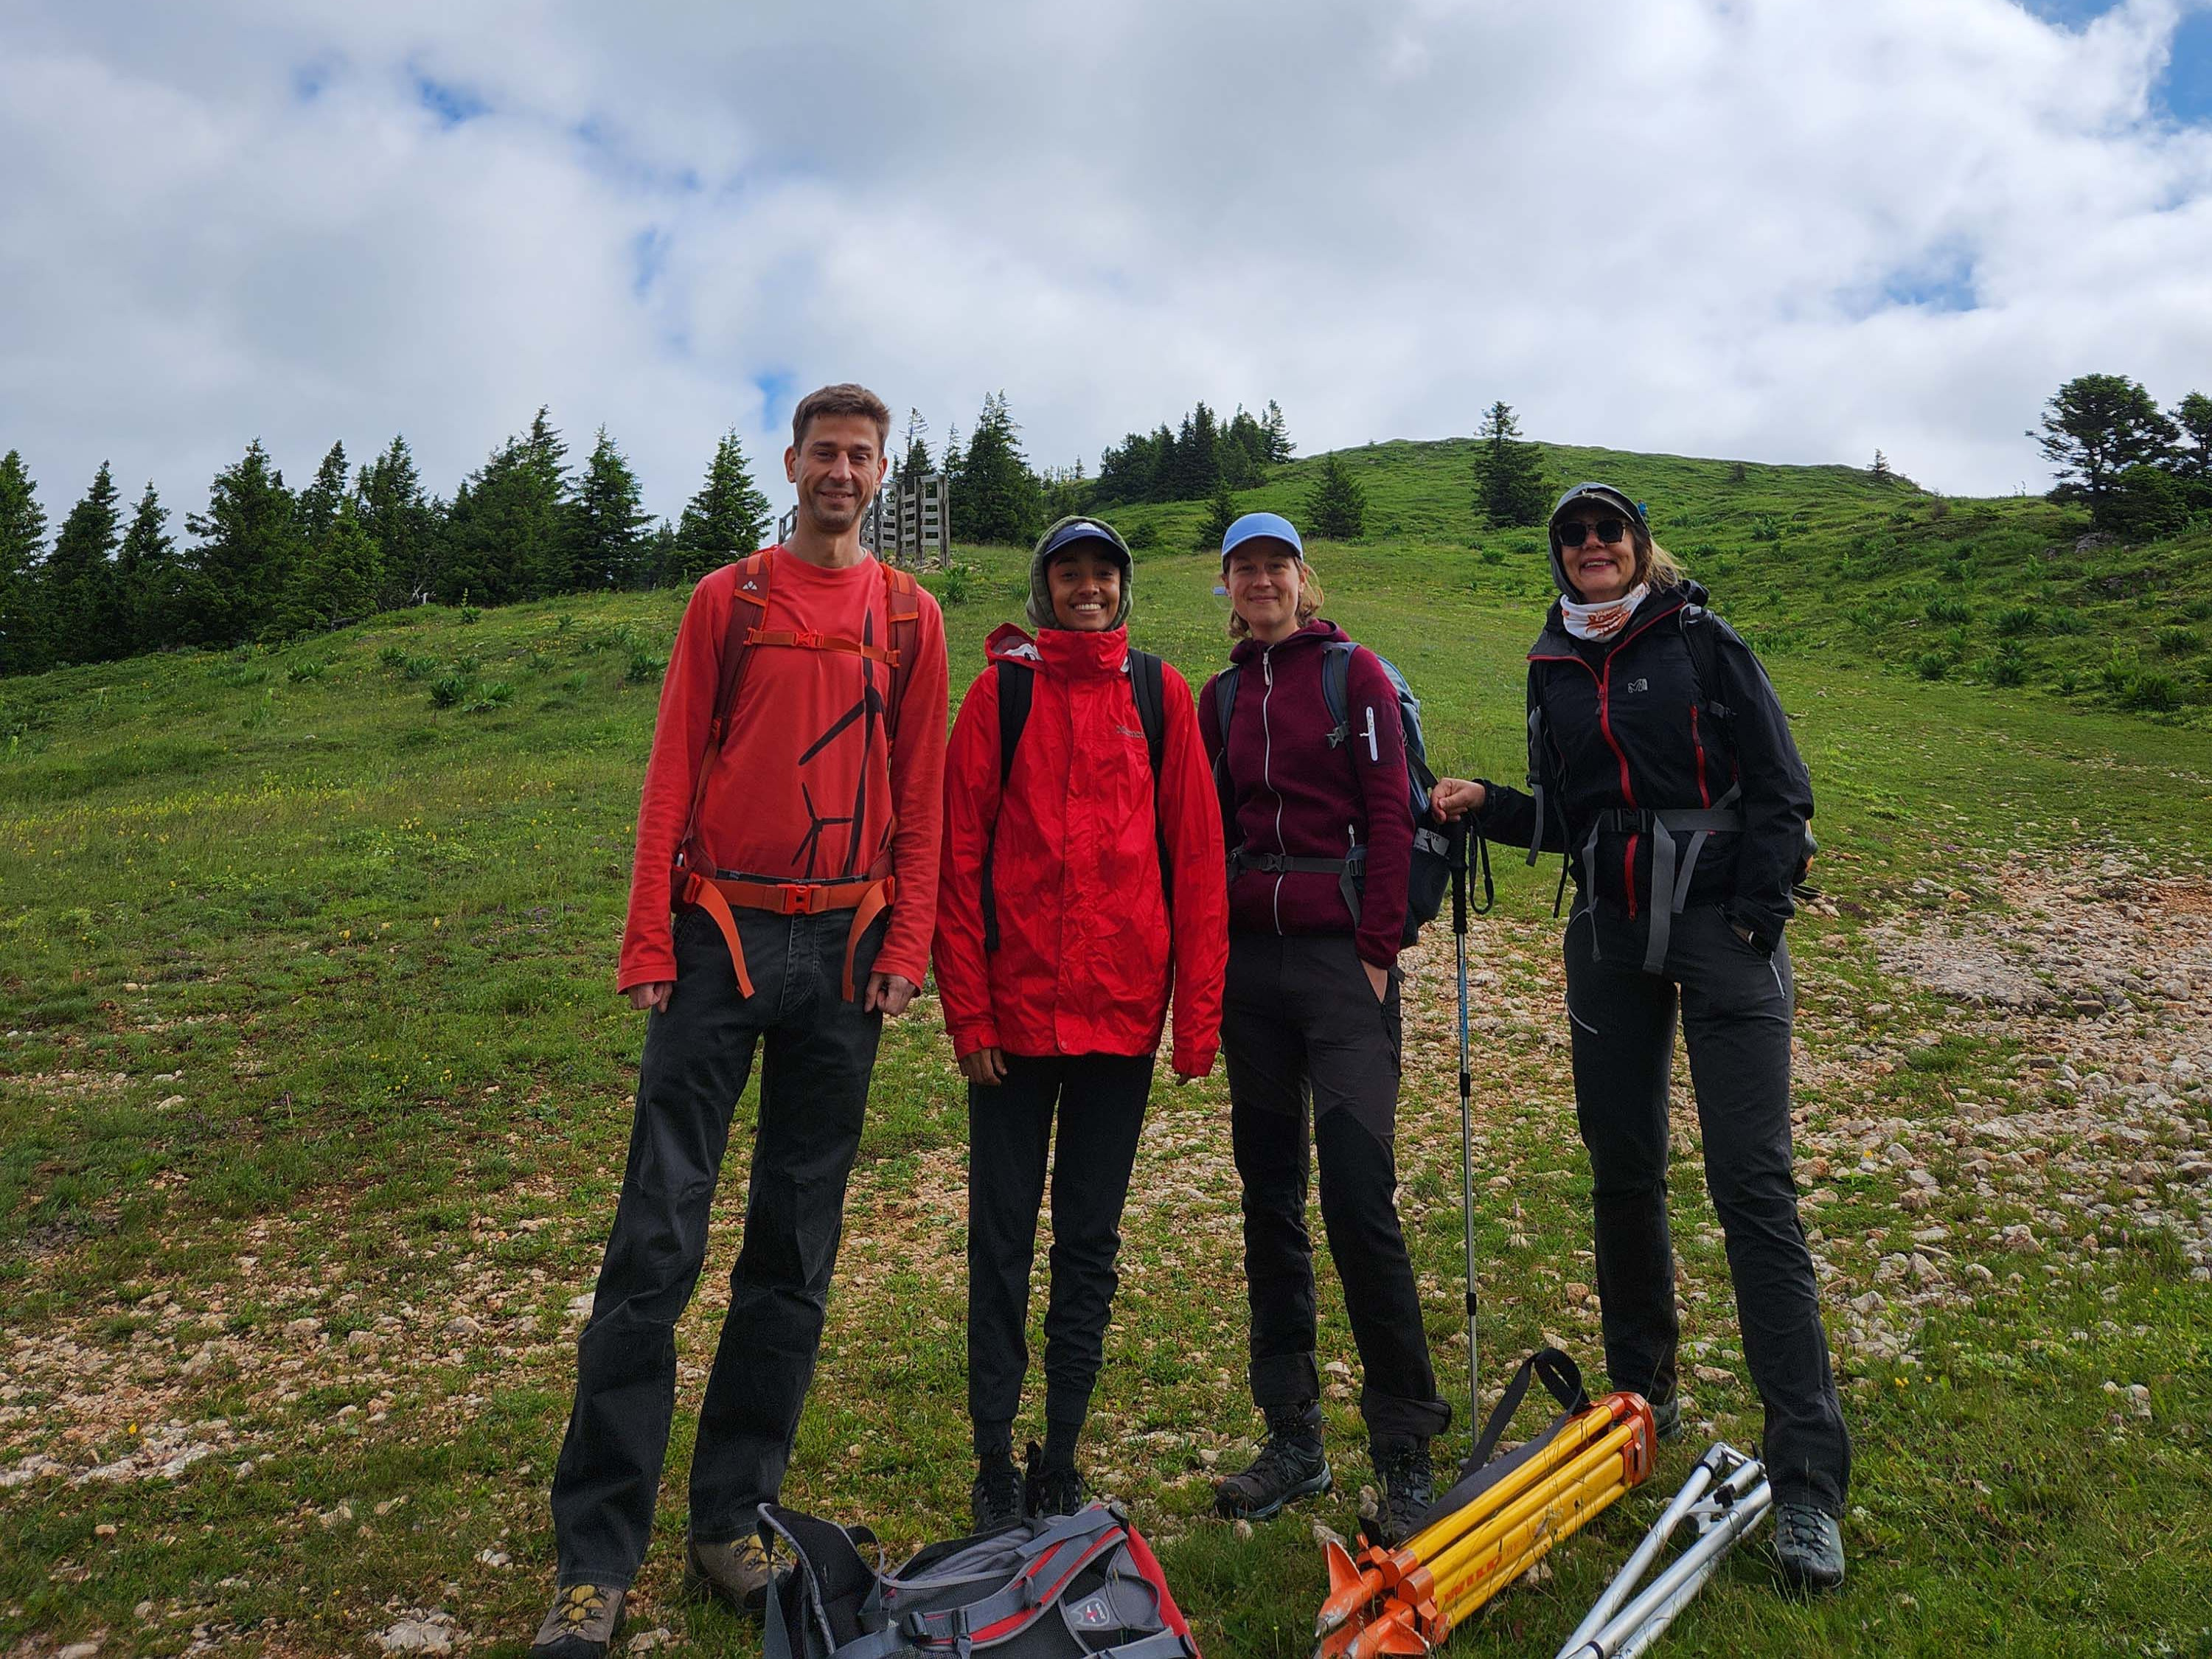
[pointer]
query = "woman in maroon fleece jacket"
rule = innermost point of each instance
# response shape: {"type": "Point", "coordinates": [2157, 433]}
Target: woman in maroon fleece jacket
{"type": "Point", "coordinates": [1320, 841]}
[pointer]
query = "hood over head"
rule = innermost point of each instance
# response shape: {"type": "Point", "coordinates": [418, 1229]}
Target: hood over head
{"type": "Point", "coordinates": [1062, 535]}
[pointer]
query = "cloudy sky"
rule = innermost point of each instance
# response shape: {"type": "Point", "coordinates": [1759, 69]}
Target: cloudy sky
{"type": "Point", "coordinates": [1788, 230]}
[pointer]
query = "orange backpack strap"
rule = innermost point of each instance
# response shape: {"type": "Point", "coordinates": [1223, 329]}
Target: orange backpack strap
{"type": "Point", "coordinates": [748, 609]}
{"type": "Point", "coordinates": [903, 608]}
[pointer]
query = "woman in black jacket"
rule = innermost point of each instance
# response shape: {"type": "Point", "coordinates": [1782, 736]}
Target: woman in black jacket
{"type": "Point", "coordinates": [1661, 764]}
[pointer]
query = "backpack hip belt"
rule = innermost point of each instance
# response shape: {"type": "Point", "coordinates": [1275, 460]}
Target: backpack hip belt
{"type": "Point", "coordinates": [866, 897]}
{"type": "Point", "coordinates": [1671, 871]}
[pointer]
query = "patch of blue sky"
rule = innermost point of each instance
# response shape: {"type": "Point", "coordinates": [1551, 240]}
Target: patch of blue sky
{"type": "Point", "coordinates": [648, 257]}
{"type": "Point", "coordinates": [608, 152]}
{"type": "Point", "coordinates": [2069, 14]}
{"type": "Point", "coordinates": [775, 386]}
{"type": "Point", "coordinates": [1933, 288]}
{"type": "Point", "coordinates": [311, 79]}
{"type": "Point", "coordinates": [451, 103]}
{"type": "Point", "coordinates": [2184, 92]}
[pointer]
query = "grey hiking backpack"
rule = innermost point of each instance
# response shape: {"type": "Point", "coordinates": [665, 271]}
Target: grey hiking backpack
{"type": "Point", "coordinates": [1081, 1586]}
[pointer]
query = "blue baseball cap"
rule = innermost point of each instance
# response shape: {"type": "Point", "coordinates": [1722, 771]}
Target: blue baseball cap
{"type": "Point", "coordinates": [1260, 526]}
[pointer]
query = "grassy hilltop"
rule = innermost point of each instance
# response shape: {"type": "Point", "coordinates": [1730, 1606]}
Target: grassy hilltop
{"type": "Point", "coordinates": [314, 1095]}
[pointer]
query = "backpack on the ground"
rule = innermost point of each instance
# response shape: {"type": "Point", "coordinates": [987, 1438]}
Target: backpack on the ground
{"type": "Point", "coordinates": [1017, 687]}
{"type": "Point", "coordinates": [1081, 1586]}
{"type": "Point", "coordinates": [1428, 877]}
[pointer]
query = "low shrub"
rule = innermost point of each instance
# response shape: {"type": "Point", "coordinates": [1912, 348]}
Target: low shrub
{"type": "Point", "coordinates": [1948, 610]}
{"type": "Point", "coordinates": [300, 672]}
{"type": "Point", "coordinates": [1145, 538]}
{"type": "Point", "coordinates": [2151, 692]}
{"type": "Point", "coordinates": [391, 656]}
{"type": "Point", "coordinates": [1931, 666]}
{"type": "Point", "coordinates": [447, 691]}
{"type": "Point", "coordinates": [2180, 642]}
{"type": "Point", "coordinates": [643, 668]}
{"type": "Point", "coordinates": [497, 695]}
{"type": "Point", "coordinates": [2009, 666]}
{"type": "Point", "coordinates": [2016, 620]}
{"type": "Point", "coordinates": [2067, 622]}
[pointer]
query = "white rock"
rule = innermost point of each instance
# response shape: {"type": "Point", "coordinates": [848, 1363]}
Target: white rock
{"type": "Point", "coordinates": [461, 1328]}
{"type": "Point", "coordinates": [426, 1635]}
{"type": "Point", "coordinates": [79, 1651]}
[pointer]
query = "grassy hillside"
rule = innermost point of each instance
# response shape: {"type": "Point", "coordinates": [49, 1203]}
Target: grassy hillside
{"type": "Point", "coordinates": [1988, 592]}
{"type": "Point", "coordinates": [314, 1095]}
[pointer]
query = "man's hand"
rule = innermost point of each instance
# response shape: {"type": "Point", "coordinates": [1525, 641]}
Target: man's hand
{"type": "Point", "coordinates": [889, 993]}
{"type": "Point", "coordinates": [985, 1065]}
{"type": "Point", "coordinates": [1184, 1080]}
{"type": "Point", "coordinates": [1454, 797]}
{"type": "Point", "coordinates": [1377, 977]}
{"type": "Point", "coordinates": [654, 996]}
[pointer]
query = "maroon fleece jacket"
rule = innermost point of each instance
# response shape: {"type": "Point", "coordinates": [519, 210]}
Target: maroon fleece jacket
{"type": "Point", "coordinates": [1293, 793]}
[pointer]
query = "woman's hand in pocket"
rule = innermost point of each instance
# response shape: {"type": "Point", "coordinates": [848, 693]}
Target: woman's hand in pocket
{"type": "Point", "coordinates": [1377, 977]}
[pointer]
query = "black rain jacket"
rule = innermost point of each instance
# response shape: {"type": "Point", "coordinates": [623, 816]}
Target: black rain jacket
{"type": "Point", "coordinates": [1624, 723]}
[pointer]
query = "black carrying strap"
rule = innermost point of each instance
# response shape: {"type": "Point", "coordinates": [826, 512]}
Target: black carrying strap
{"type": "Point", "coordinates": [1560, 1375]}
{"type": "Point", "coordinates": [815, 1604]}
{"type": "Point", "coordinates": [1017, 690]}
{"type": "Point", "coordinates": [1467, 850]}
{"type": "Point", "coordinates": [1225, 705]}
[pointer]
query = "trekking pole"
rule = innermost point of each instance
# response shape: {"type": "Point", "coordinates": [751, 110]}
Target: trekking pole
{"type": "Point", "coordinates": [1462, 834]}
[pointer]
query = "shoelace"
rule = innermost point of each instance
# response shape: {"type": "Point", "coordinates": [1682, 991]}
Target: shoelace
{"type": "Point", "coordinates": [1276, 1457]}
{"type": "Point", "coordinates": [582, 1604]}
{"type": "Point", "coordinates": [1800, 1530]}
{"type": "Point", "coordinates": [752, 1552]}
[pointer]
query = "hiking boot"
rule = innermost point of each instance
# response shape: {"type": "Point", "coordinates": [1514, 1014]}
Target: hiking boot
{"type": "Point", "coordinates": [1667, 1418]}
{"type": "Point", "coordinates": [583, 1625]}
{"type": "Point", "coordinates": [996, 1499]}
{"type": "Point", "coordinates": [1810, 1543]}
{"type": "Point", "coordinates": [737, 1574]}
{"type": "Point", "coordinates": [1050, 1489]}
{"type": "Point", "coordinates": [1290, 1466]}
{"type": "Point", "coordinates": [1409, 1486]}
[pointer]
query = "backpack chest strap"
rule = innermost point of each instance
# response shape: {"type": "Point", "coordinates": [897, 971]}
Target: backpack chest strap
{"type": "Point", "coordinates": [809, 639]}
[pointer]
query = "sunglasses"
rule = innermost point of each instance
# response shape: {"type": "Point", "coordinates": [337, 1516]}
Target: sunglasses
{"type": "Point", "coordinates": [1573, 532]}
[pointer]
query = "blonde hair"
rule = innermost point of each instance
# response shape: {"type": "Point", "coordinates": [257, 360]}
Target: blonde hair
{"type": "Point", "coordinates": [1311, 600]}
{"type": "Point", "coordinates": [1656, 565]}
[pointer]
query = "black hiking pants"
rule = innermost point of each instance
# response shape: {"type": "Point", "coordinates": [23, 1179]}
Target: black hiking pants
{"type": "Point", "coordinates": [1100, 1100]}
{"type": "Point", "coordinates": [1737, 1005]}
{"type": "Point", "coordinates": [817, 1051]}
{"type": "Point", "coordinates": [1300, 1026]}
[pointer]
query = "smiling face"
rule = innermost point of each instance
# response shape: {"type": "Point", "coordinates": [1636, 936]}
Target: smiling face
{"type": "Point", "coordinates": [1263, 585]}
{"type": "Point", "coordinates": [836, 466]}
{"type": "Point", "coordinates": [1086, 584]}
{"type": "Point", "coordinates": [1600, 571]}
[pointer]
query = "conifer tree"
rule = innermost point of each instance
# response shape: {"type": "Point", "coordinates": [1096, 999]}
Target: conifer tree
{"type": "Point", "coordinates": [728, 518]}
{"type": "Point", "coordinates": [23, 542]}
{"type": "Point", "coordinates": [2094, 428]}
{"type": "Point", "coordinates": [952, 460]}
{"type": "Point", "coordinates": [2193, 416]}
{"type": "Point", "coordinates": [996, 495]}
{"type": "Point", "coordinates": [405, 526]}
{"type": "Point", "coordinates": [317, 504]}
{"type": "Point", "coordinates": [1220, 513]}
{"type": "Point", "coordinates": [610, 522]}
{"type": "Point", "coordinates": [1336, 507]}
{"type": "Point", "coordinates": [1277, 431]}
{"type": "Point", "coordinates": [338, 575]}
{"type": "Point", "coordinates": [150, 581]}
{"type": "Point", "coordinates": [77, 583]}
{"type": "Point", "coordinates": [1880, 472]}
{"type": "Point", "coordinates": [242, 566]}
{"type": "Point", "coordinates": [1508, 473]}
{"type": "Point", "coordinates": [915, 464]}
{"type": "Point", "coordinates": [507, 530]}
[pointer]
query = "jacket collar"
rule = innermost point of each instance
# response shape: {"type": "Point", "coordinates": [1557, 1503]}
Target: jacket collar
{"type": "Point", "coordinates": [1318, 631]}
{"type": "Point", "coordinates": [1555, 642]}
{"type": "Point", "coordinates": [1062, 652]}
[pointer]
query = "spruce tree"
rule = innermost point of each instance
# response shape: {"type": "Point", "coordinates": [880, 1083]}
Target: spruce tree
{"type": "Point", "coordinates": [338, 575]}
{"type": "Point", "coordinates": [507, 531]}
{"type": "Point", "coordinates": [916, 462]}
{"type": "Point", "coordinates": [953, 459]}
{"type": "Point", "coordinates": [317, 504]}
{"type": "Point", "coordinates": [405, 526]}
{"type": "Point", "coordinates": [548, 565]}
{"type": "Point", "coordinates": [728, 518]}
{"type": "Point", "coordinates": [996, 495]}
{"type": "Point", "coordinates": [1508, 473]}
{"type": "Point", "coordinates": [1220, 513]}
{"type": "Point", "coordinates": [609, 522]}
{"type": "Point", "coordinates": [22, 541]}
{"type": "Point", "coordinates": [1879, 471]}
{"type": "Point", "coordinates": [150, 581]}
{"type": "Point", "coordinates": [242, 568]}
{"type": "Point", "coordinates": [1336, 507]}
{"type": "Point", "coordinates": [79, 596]}
{"type": "Point", "coordinates": [1202, 475]}
{"type": "Point", "coordinates": [1277, 431]}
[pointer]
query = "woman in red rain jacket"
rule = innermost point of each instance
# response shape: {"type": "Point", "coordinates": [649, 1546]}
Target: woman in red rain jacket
{"type": "Point", "coordinates": [1082, 883]}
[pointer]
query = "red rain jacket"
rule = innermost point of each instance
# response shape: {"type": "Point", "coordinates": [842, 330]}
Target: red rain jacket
{"type": "Point", "coordinates": [1088, 949]}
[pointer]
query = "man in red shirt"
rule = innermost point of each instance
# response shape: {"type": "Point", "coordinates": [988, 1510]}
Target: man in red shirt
{"type": "Point", "coordinates": [791, 819]}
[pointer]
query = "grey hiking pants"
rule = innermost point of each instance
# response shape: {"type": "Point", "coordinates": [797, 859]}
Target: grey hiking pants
{"type": "Point", "coordinates": [1737, 1005]}
{"type": "Point", "coordinates": [819, 1050]}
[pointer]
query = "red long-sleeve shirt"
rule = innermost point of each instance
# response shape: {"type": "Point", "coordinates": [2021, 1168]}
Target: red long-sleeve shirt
{"type": "Point", "coordinates": [805, 786]}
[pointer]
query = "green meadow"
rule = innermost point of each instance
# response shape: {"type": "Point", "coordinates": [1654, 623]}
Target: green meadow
{"type": "Point", "coordinates": [314, 1093]}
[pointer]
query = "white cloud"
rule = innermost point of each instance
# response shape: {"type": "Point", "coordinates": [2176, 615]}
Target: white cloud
{"type": "Point", "coordinates": [1782, 229]}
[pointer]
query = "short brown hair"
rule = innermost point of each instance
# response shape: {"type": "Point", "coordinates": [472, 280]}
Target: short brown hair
{"type": "Point", "coordinates": [844, 399]}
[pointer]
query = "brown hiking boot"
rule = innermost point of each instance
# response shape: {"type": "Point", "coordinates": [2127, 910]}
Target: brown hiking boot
{"type": "Point", "coordinates": [583, 1625]}
{"type": "Point", "coordinates": [737, 1574]}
